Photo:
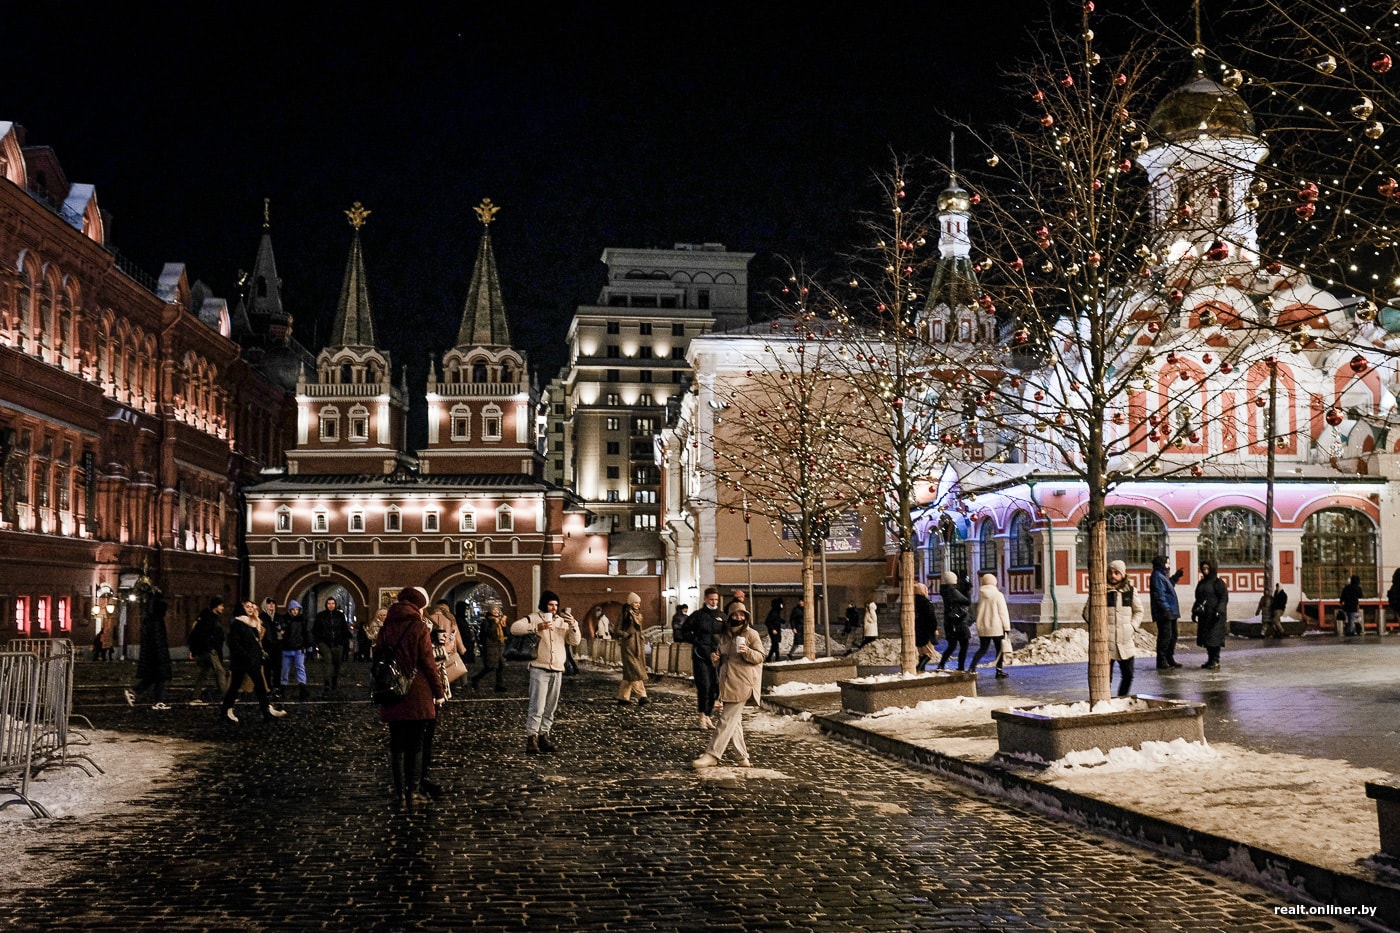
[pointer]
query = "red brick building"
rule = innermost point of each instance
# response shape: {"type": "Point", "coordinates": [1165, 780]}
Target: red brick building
{"type": "Point", "coordinates": [128, 419]}
{"type": "Point", "coordinates": [469, 516]}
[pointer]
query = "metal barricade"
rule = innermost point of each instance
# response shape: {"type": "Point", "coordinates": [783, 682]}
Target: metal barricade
{"type": "Point", "coordinates": [53, 737]}
{"type": "Point", "coordinates": [19, 705]}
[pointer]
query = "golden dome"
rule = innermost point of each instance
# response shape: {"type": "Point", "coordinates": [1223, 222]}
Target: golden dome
{"type": "Point", "coordinates": [1201, 108]}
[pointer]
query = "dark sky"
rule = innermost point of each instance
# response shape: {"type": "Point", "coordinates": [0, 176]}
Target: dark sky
{"type": "Point", "coordinates": [591, 127]}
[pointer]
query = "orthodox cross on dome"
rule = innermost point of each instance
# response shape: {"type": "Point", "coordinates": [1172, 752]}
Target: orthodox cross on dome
{"type": "Point", "coordinates": [267, 213]}
{"type": "Point", "coordinates": [357, 215]}
{"type": "Point", "coordinates": [486, 211]}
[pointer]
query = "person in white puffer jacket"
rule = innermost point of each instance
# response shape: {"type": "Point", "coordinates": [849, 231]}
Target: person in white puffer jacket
{"type": "Point", "coordinates": [993, 622]}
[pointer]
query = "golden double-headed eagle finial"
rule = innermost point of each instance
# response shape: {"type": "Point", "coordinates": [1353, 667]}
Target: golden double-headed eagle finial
{"type": "Point", "coordinates": [357, 215]}
{"type": "Point", "coordinates": [486, 211]}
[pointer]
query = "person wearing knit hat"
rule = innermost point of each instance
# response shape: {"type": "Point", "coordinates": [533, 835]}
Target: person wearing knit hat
{"type": "Point", "coordinates": [1124, 618]}
{"type": "Point", "coordinates": [633, 649]}
{"type": "Point", "coordinates": [955, 610]}
{"type": "Point", "coordinates": [993, 622]}
{"type": "Point", "coordinates": [556, 631]}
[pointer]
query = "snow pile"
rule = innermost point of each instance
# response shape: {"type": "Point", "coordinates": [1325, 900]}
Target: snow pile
{"type": "Point", "coordinates": [1115, 705]}
{"type": "Point", "coordinates": [892, 678]}
{"type": "Point", "coordinates": [966, 709]}
{"type": "Point", "coordinates": [882, 652]}
{"type": "Point", "coordinates": [1070, 645]}
{"type": "Point", "coordinates": [797, 688]}
{"type": "Point", "coordinates": [1151, 756]}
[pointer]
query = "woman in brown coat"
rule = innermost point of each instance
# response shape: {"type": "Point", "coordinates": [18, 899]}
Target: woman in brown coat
{"type": "Point", "coordinates": [634, 652]}
{"type": "Point", "coordinates": [405, 634]}
{"type": "Point", "coordinates": [741, 658]}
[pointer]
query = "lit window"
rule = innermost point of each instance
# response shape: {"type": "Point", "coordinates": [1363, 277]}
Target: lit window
{"type": "Point", "coordinates": [21, 612]}
{"type": "Point", "coordinates": [613, 424]}
{"type": "Point", "coordinates": [393, 520]}
{"type": "Point", "coordinates": [612, 496]}
{"type": "Point", "coordinates": [61, 617]}
{"type": "Point", "coordinates": [320, 522]}
{"type": "Point", "coordinates": [613, 399]}
{"type": "Point", "coordinates": [468, 522]}
{"type": "Point", "coordinates": [644, 399]}
{"type": "Point", "coordinates": [505, 519]}
{"type": "Point", "coordinates": [284, 519]}
{"type": "Point", "coordinates": [357, 521]}
{"type": "Point", "coordinates": [41, 614]}
{"type": "Point", "coordinates": [430, 521]}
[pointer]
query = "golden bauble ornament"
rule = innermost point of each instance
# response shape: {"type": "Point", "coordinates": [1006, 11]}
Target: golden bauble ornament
{"type": "Point", "coordinates": [1326, 64]}
{"type": "Point", "coordinates": [1374, 130]}
{"type": "Point", "coordinates": [1363, 109]}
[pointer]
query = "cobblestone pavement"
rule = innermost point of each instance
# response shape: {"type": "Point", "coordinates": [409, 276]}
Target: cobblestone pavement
{"type": "Point", "coordinates": [286, 826]}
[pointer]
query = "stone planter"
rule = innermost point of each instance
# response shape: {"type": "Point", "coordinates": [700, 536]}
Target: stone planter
{"type": "Point", "coordinates": [1025, 734]}
{"type": "Point", "coordinates": [868, 698]}
{"type": "Point", "coordinates": [820, 671]}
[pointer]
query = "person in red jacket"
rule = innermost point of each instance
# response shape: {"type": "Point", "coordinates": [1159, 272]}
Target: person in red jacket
{"type": "Point", "coordinates": [407, 636]}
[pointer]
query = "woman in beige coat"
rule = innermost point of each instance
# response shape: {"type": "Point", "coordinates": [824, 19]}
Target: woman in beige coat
{"type": "Point", "coordinates": [993, 622]}
{"type": "Point", "coordinates": [634, 652]}
{"type": "Point", "coordinates": [448, 637]}
{"type": "Point", "coordinates": [741, 655]}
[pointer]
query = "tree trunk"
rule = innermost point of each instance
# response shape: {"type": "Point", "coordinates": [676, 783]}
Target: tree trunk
{"type": "Point", "coordinates": [908, 651]}
{"type": "Point", "coordinates": [809, 606]}
{"type": "Point", "coordinates": [1100, 672]}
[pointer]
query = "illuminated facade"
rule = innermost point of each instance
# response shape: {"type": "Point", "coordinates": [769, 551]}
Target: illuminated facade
{"type": "Point", "coordinates": [128, 420]}
{"type": "Point", "coordinates": [469, 516]}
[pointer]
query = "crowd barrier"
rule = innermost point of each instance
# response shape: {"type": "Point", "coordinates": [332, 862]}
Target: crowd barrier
{"type": "Point", "coordinates": [19, 704]}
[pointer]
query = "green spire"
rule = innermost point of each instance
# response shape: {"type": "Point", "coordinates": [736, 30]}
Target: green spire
{"type": "Point", "coordinates": [484, 317]}
{"type": "Point", "coordinates": [354, 324]}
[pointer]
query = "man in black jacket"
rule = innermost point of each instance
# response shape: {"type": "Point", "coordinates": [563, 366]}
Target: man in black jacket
{"type": "Point", "coordinates": [702, 630]}
{"type": "Point", "coordinates": [294, 634]}
{"type": "Point", "coordinates": [1351, 606]}
{"type": "Point", "coordinates": [332, 631]}
{"type": "Point", "coordinates": [207, 648]}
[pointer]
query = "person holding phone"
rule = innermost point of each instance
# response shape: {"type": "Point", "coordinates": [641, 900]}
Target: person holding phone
{"type": "Point", "coordinates": [557, 631]}
{"type": "Point", "coordinates": [741, 657]}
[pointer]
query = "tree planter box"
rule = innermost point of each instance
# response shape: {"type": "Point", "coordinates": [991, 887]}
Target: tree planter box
{"type": "Point", "coordinates": [868, 698]}
{"type": "Point", "coordinates": [820, 671]}
{"type": "Point", "coordinates": [1025, 734]}
{"type": "Point", "coordinates": [1386, 794]}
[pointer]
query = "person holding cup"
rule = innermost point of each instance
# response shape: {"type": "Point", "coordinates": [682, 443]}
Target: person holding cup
{"type": "Point", "coordinates": [556, 631]}
{"type": "Point", "coordinates": [741, 655]}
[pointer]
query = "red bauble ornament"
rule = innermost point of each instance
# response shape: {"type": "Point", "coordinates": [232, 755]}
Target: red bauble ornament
{"type": "Point", "coordinates": [1185, 377]}
{"type": "Point", "coordinates": [1038, 96]}
{"type": "Point", "coordinates": [1021, 337]}
{"type": "Point", "coordinates": [1120, 80]}
{"type": "Point", "coordinates": [1119, 417]}
{"type": "Point", "coordinates": [1176, 296]}
{"type": "Point", "coordinates": [1094, 259]}
{"type": "Point", "coordinates": [1126, 165]}
{"type": "Point", "coordinates": [1358, 364]}
{"type": "Point", "coordinates": [1153, 327]}
{"type": "Point", "coordinates": [1274, 268]}
{"type": "Point", "coordinates": [1389, 187]}
{"type": "Point", "coordinates": [1381, 63]}
{"type": "Point", "coordinates": [975, 200]}
{"type": "Point", "coordinates": [1172, 357]}
{"type": "Point", "coordinates": [1207, 358]}
{"type": "Point", "coordinates": [1047, 121]}
{"type": "Point", "coordinates": [1260, 402]}
{"type": "Point", "coordinates": [1335, 416]}
{"type": "Point", "coordinates": [1039, 396]}
{"type": "Point", "coordinates": [1017, 264]}
{"type": "Point", "coordinates": [1226, 369]}
{"type": "Point", "coordinates": [1218, 251]}
{"type": "Point", "coordinates": [1197, 470]}
{"type": "Point", "coordinates": [1308, 192]}
{"type": "Point", "coordinates": [1088, 6]}
{"type": "Point", "coordinates": [1067, 81]}
{"type": "Point", "coordinates": [1195, 437]}
{"type": "Point", "coordinates": [1305, 211]}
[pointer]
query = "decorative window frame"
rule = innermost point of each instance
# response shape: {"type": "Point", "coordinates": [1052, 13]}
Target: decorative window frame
{"type": "Point", "coordinates": [393, 520]}
{"type": "Point", "coordinates": [357, 424]}
{"type": "Point", "coordinates": [491, 423]}
{"type": "Point", "coordinates": [466, 522]}
{"type": "Point", "coordinates": [432, 521]}
{"type": "Point", "coordinates": [283, 521]}
{"type": "Point", "coordinates": [505, 518]}
{"type": "Point", "coordinates": [460, 417]}
{"type": "Point", "coordinates": [328, 423]}
{"type": "Point", "coordinates": [320, 522]}
{"type": "Point", "coordinates": [357, 521]}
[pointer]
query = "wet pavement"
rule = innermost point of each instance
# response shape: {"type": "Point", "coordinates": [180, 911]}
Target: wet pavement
{"type": "Point", "coordinates": [287, 826]}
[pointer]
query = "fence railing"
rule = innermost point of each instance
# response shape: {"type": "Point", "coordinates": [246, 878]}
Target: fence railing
{"type": "Point", "coordinates": [19, 702]}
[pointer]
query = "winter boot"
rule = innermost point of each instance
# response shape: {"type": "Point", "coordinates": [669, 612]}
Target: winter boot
{"type": "Point", "coordinates": [546, 745]}
{"type": "Point", "coordinates": [532, 745]}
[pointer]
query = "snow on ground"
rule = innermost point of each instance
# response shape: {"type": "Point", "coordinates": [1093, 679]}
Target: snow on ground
{"type": "Point", "coordinates": [134, 766]}
{"type": "Point", "coordinates": [1313, 809]}
{"type": "Point", "coordinates": [797, 688]}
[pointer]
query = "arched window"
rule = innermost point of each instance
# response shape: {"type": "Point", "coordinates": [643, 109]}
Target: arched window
{"type": "Point", "coordinates": [330, 423]}
{"type": "Point", "coordinates": [347, 374]}
{"type": "Point", "coordinates": [505, 519]}
{"type": "Point", "coordinates": [951, 544]}
{"type": "Point", "coordinates": [987, 547]}
{"type": "Point", "coordinates": [490, 423]}
{"type": "Point", "coordinates": [1135, 536]}
{"type": "Point", "coordinates": [478, 372]}
{"type": "Point", "coordinates": [461, 418]}
{"type": "Point", "coordinates": [507, 374]}
{"type": "Point", "coordinates": [1233, 537]}
{"type": "Point", "coordinates": [1022, 542]}
{"type": "Point", "coordinates": [1338, 543]}
{"type": "Point", "coordinates": [23, 298]}
{"type": "Point", "coordinates": [45, 314]}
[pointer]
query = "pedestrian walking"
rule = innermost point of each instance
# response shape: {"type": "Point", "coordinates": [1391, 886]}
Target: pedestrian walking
{"type": "Point", "coordinates": [295, 638]}
{"type": "Point", "coordinates": [207, 647]}
{"type": "Point", "coordinates": [1208, 611]}
{"type": "Point", "coordinates": [153, 668]}
{"type": "Point", "coordinates": [956, 606]}
{"type": "Point", "coordinates": [678, 622]}
{"type": "Point", "coordinates": [1124, 620]}
{"type": "Point", "coordinates": [245, 657]}
{"type": "Point", "coordinates": [493, 646]}
{"type": "Point", "coordinates": [1392, 596]}
{"type": "Point", "coordinates": [1166, 612]}
{"type": "Point", "coordinates": [373, 626]}
{"type": "Point", "coordinates": [702, 630]}
{"type": "Point", "coordinates": [774, 624]}
{"type": "Point", "coordinates": [99, 642]}
{"type": "Point", "coordinates": [798, 622]}
{"type": "Point", "coordinates": [405, 634]}
{"type": "Point", "coordinates": [1351, 606]}
{"type": "Point", "coordinates": [851, 621]}
{"type": "Point", "coordinates": [870, 625]}
{"type": "Point", "coordinates": [556, 632]}
{"type": "Point", "coordinates": [741, 656]}
{"type": "Point", "coordinates": [272, 647]}
{"type": "Point", "coordinates": [993, 622]}
{"type": "Point", "coordinates": [447, 636]}
{"type": "Point", "coordinates": [633, 647]}
{"type": "Point", "coordinates": [1273, 615]}
{"type": "Point", "coordinates": [925, 626]}
{"type": "Point", "coordinates": [331, 631]}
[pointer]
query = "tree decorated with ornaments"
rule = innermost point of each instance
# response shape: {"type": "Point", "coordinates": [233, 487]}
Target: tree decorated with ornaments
{"type": "Point", "coordinates": [783, 449]}
{"type": "Point", "coordinates": [1118, 260]}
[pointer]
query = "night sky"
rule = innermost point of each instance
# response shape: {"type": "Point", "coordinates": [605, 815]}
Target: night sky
{"type": "Point", "coordinates": [594, 127]}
